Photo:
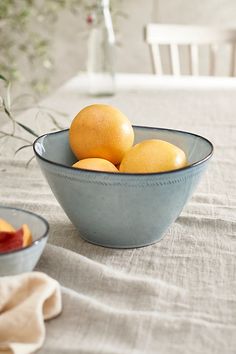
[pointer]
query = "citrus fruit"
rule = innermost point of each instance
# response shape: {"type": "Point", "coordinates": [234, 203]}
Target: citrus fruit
{"type": "Point", "coordinates": [101, 131]}
{"type": "Point", "coordinates": [153, 156]}
{"type": "Point", "coordinates": [96, 164]}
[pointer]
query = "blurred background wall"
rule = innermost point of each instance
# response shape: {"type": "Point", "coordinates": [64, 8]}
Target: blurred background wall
{"type": "Point", "coordinates": [68, 35]}
{"type": "Point", "coordinates": [207, 12]}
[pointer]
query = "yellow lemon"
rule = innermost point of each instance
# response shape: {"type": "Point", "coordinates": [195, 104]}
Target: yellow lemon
{"type": "Point", "coordinates": [153, 156]}
{"type": "Point", "coordinates": [96, 164]}
{"type": "Point", "coordinates": [101, 131]}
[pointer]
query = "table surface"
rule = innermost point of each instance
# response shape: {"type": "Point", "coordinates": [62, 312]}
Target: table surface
{"type": "Point", "coordinates": [176, 296]}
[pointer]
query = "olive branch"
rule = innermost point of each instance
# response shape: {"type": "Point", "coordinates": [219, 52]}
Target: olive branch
{"type": "Point", "coordinates": [6, 107]}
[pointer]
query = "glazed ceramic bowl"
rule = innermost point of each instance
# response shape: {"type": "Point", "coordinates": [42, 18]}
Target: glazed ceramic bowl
{"type": "Point", "coordinates": [24, 259]}
{"type": "Point", "coordinates": [122, 210]}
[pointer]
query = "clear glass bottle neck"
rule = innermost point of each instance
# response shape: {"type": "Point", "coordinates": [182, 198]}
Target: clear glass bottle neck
{"type": "Point", "coordinates": [105, 3]}
{"type": "Point", "coordinates": [105, 14]}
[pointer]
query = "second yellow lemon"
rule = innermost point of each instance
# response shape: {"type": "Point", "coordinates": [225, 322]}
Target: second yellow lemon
{"type": "Point", "coordinates": [101, 131]}
{"type": "Point", "coordinates": [152, 156]}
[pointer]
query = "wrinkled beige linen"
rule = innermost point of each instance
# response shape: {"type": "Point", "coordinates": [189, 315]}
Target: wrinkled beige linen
{"type": "Point", "coordinates": [177, 296]}
{"type": "Point", "coordinates": [26, 300]}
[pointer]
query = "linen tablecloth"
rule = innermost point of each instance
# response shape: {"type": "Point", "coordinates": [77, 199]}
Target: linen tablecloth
{"type": "Point", "coordinates": [176, 296]}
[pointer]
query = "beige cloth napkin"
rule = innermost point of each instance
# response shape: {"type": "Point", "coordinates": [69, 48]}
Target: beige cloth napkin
{"type": "Point", "coordinates": [26, 300]}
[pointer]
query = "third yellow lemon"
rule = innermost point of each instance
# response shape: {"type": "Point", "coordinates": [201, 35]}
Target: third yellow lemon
{"type": "Point", "coordinates": [96, 164]}
{"type": "Point", "coordinates": [101, 131]}
{"type": "Point", "coordinates": [150, 156]}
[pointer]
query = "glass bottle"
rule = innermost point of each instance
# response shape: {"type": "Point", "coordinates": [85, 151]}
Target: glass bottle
{"type": "Point", "coordinates": [101, 43]}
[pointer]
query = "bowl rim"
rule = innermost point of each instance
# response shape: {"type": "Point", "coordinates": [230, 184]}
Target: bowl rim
{"type": "Point", "coordinates": [34, 243]}
{"type": "Point", "coordinates": [121, 174]}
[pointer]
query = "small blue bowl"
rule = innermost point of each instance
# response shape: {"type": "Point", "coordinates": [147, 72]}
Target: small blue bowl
{"type": "Point", "coordinates": [23, 259]}
{"type": "Point", "coordinates": [122, 210]}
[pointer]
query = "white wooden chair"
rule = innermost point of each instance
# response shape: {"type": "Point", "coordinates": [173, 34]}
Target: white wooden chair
{"type": "Point", "coordinates": [193, 37]}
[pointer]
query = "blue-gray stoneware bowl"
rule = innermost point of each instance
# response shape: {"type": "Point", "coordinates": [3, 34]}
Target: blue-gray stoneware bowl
{"type": "Point", "coordinates": [23, 259]}
{"type": "Point", "coordinates": [122, 210]}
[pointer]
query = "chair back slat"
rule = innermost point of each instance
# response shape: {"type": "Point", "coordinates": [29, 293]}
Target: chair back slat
{"type": "Point", "coordinates": [174, 59]}
{"type": "Point", "coordinates": [212, 59]}
{"type": "Point", "coordinates": [156, 60]}
{"type": "Point", "coordinates": [194, 59]}
{"type": "Point", "coordinates": [186, 34]}
{"type": "Point", "coordinates": [233, 59]}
